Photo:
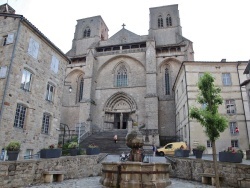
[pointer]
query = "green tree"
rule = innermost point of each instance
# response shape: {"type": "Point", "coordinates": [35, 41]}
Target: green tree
{"type": "Point", "coordinates": [209, 117]}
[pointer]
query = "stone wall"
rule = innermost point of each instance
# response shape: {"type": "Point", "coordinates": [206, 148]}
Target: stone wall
{"type": "Point", "coordinates": [23, 173]}
{"type": "Point", "coordinates": [189, 169]}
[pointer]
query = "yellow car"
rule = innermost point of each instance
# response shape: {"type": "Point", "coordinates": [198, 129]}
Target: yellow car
{"type": "Point", "coordinates": [169, 148]}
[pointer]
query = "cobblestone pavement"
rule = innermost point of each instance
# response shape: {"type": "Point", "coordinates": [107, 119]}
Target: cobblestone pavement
{"type": "Point", "coordinates": [93, 182]}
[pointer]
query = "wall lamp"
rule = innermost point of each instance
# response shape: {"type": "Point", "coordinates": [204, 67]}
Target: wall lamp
{"type": "Point", "coordinates": [70, 89]}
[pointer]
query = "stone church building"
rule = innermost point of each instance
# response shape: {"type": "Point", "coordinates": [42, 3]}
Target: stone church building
{"type": "Point", "coordinates": [126, 76]}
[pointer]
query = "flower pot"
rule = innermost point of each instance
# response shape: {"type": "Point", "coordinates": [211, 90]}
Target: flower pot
{"type": "Point", "coordinates": [181, 153]}
{"type": "Point", "coordinates": [12, 155]}
{"type": "Point", "coordinates": [248, 154]}
{"type": "Point", "coordinates": [73, 151]}
{"type": "Point", "coordinates": [92, 151]}
{"type": "Point", "coordinates": [194, 151]}
{"type": "Point", "coordinates": [50, 153]}
{"type": "Point", "coordinates": [230, 157]}
{"type": "Point", "coordinates": [198, 154]}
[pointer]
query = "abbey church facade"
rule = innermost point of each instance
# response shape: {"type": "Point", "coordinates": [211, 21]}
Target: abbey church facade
{"type": "Point", "coordinates": [126, 76]}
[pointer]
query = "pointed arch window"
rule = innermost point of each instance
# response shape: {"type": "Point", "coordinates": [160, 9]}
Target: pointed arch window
{"type": "Point", "coordinates": [168, 20]}
{"type": "Point", "coordinates": [121, 77]}
{"type": "Point", "coordinates": [160, 22]}
{"type": "Point", "coordinates": [86, 32]}
{"type": "Point", "coordinates": [167, 82]}
{"type": "Point", "coordinates": [80, 92]}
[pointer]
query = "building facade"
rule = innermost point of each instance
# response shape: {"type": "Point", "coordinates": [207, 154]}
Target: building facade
{"type": "Point", "coordinates": [32, 71]}
{"type": "Point", "coordinates": [228, 76]}
{"type": "Point", "coordinates": [126, 76]}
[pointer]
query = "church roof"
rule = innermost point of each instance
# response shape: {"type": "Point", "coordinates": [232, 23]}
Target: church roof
{"type": "Point", "coordinates": [123, 36]}
{"type": "Point", "coordinates": [6, 8]}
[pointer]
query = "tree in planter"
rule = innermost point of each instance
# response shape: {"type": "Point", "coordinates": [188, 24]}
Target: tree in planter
{"type": "Point", "coordinates": [209, 117]}
{"type": "Point", "coordinates": [12, 150]}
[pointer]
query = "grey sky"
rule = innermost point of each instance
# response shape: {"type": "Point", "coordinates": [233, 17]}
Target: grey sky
{"type": "Point", "coordinates": [218, 28]}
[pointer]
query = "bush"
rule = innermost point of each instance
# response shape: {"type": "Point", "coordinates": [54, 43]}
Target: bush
{"type": "Point", "coordinates": [72, 145]}
{"type": "Point", "coordinates": [93, 146]}
{"type": "Point", "coordinates": [13, 146]}
{"type": "Point", "coordinates": [201, 147]}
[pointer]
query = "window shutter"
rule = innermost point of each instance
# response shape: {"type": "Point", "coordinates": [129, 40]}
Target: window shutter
{"type": "Point", "coordinates": [10, 38]}
{"type": "Point", "coordinates": [3, 71]}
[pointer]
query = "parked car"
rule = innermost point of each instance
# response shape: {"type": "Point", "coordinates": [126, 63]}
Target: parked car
{"type": "Point", "coordinates": [169, 148]}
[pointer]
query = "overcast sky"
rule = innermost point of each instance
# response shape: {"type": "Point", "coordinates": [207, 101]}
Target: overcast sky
{"type": "Point", "coordinates": [218, 28]}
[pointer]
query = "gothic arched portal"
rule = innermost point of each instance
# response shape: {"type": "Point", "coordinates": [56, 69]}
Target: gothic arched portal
{"type": "Point", "coordinates": [118, 108]}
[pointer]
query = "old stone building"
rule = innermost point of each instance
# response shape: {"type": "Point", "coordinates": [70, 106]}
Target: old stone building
{"type": "Point", "coordinates": [150, 79]}
{"type": "Point", "coordinates": [32, 71]}
{"type": "Point", "coordinates": [126, 76]}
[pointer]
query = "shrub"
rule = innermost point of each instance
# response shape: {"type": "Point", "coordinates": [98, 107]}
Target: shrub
{"type": "Point", "coordinates": [201, 147]}
{"type": "Point", "coordinates": [72, 145]}
{"type": "Point", "coordinates": [13, 146]}
{"type": "Point", "coordinates": [93, 146]}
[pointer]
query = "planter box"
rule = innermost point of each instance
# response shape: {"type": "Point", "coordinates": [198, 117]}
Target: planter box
{"type": "Point", "coordinates": [92, 151]}
{"type": "Point", "coordinates": [230, 157]}
{"type": "Point", "coordinates": [181, 153]}
{"type": "Point", "coordinates": [12, 155]}
{"type": "Point", "coordinates": [198, 154]}
{"type": "Point", "coordinates": [50, 153]}
{"type": "Point", "coordinates": [73, 152]}
{"type": "Point", "coordinates": [248, 154]}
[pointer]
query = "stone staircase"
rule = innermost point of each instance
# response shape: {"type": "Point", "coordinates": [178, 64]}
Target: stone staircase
{"type": "Point", "coordinates": [106, 143]}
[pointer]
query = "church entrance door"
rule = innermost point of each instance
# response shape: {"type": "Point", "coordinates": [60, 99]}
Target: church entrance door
{"type": "Point", "coordinates": [121, 120]}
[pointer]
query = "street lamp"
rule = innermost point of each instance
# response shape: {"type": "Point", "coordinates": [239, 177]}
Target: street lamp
{"type": "Point", "coordinates": [70, 89]}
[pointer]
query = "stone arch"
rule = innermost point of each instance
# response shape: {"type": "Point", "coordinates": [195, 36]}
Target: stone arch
{"type": "Point", "coordinates": [120, 102]}
{"type": "Point", "coordinates": [168, 63]}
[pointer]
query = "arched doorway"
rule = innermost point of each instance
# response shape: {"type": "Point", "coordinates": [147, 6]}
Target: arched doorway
{"type": "Point", "coordinates": [118, 108]}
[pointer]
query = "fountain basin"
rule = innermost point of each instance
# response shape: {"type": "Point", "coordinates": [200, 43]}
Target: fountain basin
{"type": "Point", "coordinates": [135, 174]}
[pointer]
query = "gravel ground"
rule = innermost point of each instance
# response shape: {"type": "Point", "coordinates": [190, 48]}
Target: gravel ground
{"type": "Point", "coordinates": [93, 182]}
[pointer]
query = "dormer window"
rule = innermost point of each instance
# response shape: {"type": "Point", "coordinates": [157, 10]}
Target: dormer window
{"type": "Point", "coordinates": [168, 20]}
{"type": "Point", "coordinates": [86, 32]}
{"type": "Point", "coordinates": [160, 22]}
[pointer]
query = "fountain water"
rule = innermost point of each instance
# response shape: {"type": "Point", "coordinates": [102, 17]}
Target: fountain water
{"type": "Point", "coordinates": [134, 173]}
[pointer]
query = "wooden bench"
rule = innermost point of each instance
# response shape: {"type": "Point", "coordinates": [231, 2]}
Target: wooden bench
{"type": "Point", "coordinates": [50, 176]}
{"type": "Point", "coordinates": [207, 178]}
{"type": "Point", "coordinates": [245, 180]}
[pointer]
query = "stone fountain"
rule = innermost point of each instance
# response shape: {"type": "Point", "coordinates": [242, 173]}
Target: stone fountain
{"type": "Point", "coordinates": [135, 173]}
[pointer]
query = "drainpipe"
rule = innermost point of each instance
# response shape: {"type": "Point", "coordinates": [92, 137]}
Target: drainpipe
{"type": "Point", "coordinates": [9, 70]}
{"type": "Point", "coordinates": [242, 101]}
{"type": "Point", "coordinates": [187, 107]}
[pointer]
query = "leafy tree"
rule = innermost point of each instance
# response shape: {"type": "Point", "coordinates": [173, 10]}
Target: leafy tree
{"type": "Point", "coordinates": [209, 117]}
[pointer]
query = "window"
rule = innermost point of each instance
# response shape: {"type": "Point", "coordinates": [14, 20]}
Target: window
{"type": "Point", "coordinates": [81, 85]}
{"type": "Point", "coordinates": [167, 82]}
{"type": "Point", "coordinates": [45, 124]}
{"type": "Point", "coordinates": [160, 22]}
{"type": "Point", "coordinates": [8, 39]}
{"type": "Point", "coordinates": [54, 64]}
{"type": "Point", "coordinates": [169, 146]}
{"type": "Point", "coordinates": [33, 48]}
{"type": "Point", "coordinates": [50, 92]}
{"type": "Point", "coordinates": [168, 21]}
{"type": "Point", "coordinates": [26, 80]}
{"type": "Point", "coordinates": [234, 143]}
{"type": "Point", "coordinates": [20, 116]}
{"type": "Point", "coordinates": [3, 71]}
{"type": "Point", "coordinates": [233, 128]}
{"type": "Point", "coordinates": [209, 143]}
{"type": "Point", "coordinates": [230, 106]}
{"type": "Point", "coordinates": [121, 77]}
{"type": "Point", "coordinates": [226, 79]}
{"type": "Point", "coordinates": [28, 154]}
{"type": "Point", "coordinates": [86, 32]}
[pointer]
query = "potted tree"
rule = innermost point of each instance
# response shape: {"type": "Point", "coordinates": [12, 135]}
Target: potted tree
{"type": "Point", "coordinates": [92, 149]}
{"type": "Point", "coordinates": [50, 152]}
{"type": "Point", "coordinates": [13, 149]}
{"type": "Point", "coordinates": [73, 148]}
{"type": "Point", "coordinates": [199, 151]}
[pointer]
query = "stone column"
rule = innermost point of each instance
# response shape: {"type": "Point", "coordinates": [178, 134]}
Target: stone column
{"type": "Point", "coordinates": [121, 120]}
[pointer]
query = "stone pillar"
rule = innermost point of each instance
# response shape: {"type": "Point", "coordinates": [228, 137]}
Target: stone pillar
{"type": "Point", "coordinates": [121, 120]}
